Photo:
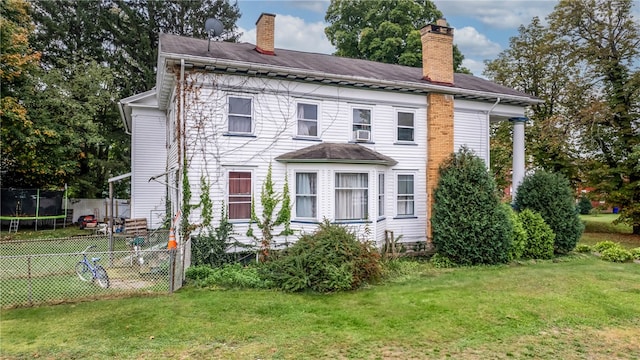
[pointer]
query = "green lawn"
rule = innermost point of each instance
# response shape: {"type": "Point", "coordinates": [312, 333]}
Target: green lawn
{"type": "Point", "coordinates": [603, 223]}
{"type": "Point", "coordinates": [574, 308]}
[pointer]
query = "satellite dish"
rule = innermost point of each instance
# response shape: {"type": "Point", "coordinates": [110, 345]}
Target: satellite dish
{"type": "Point", "coordinates": [214, 28]}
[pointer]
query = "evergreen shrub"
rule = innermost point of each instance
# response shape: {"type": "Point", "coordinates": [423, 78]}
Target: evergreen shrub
{"type": "Point", "coordinates": [519, 235]}
{"type": "Point", "coordinates": [550, 195]}
{"type": "Point", "coordinates": [469, 225]}
{"type": "Point", "coordinates": [540, 237]}
{"type": "Point", "coordinates": [331, 259]}
{"type": "Point", "coordinates": [584, 205]}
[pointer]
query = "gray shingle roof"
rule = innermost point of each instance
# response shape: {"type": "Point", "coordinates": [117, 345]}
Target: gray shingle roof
{"type": "Point", "coordinates": [337, 153]}
{"type": "Point", "coordinates": [328, 65]}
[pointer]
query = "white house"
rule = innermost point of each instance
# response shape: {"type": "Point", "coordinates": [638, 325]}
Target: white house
{"type": "Point", "coordinates": [359, 142]}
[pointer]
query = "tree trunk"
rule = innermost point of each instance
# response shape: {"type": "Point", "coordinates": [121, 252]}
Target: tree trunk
{"type": "Point", "coordinates": [636, 229]}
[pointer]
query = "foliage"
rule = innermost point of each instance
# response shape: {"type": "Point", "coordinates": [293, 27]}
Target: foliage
{"type": "Point", "coordinates": [469, 224]}
{"type": "Point", "coordinates": [331, 259]}
{"type": "Point", "coordinates": [386, 31]}
{"type": "Point", "coordinates": [519, 236]}
{"type": "Point", "coordinates": [441, 262]}
{"type": "Point", "coordinates": [17, 60]}
{"type": "Point", "coordinates": [584, 205]}
{"type": "Point", "coordinates": [584, 66]}
{"type": "Point", "coordinates": [583, 248]}
{"type": "Point", "coordinates": [635, 252]}
{"type": "Point", "coordinates": [186, 206]}
{"type": "Point", "coordinates": [270, 200]}
{"type": "Point", "coordinates": [549, 195]}
{"type": "Point", "coordinates": [540, 236]}
{"type": "Point", "coordinates": [227, 276]}
{"type": "Point", "coordinates": [535, 63]}
{"type": "Point", "coordinates": [616, 254]}
{"type": "Point", "coordinates": [210, 247]}
{"type": "Point", "coordinates": [604, 245]}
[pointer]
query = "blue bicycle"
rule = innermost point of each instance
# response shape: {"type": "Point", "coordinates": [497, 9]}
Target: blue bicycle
{"type": "Point", "coordinates": [91, 270]}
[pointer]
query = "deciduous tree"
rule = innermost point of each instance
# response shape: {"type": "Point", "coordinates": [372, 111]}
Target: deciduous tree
{"type": "Point", "coordinates": [386, 31]}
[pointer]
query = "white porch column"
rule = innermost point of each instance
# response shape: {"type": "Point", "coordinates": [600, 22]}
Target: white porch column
{"type": "Point", "coordinates": [518, 153]}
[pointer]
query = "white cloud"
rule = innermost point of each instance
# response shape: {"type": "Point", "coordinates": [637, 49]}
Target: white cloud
{"type": "Point", "coordinates": [293, 33]}
{"type": "Point", "coordinates": [502, 14]}
{"type": "Point", "coordinates": [474, 44]}
{"type": "Point", "coordinates": [476, 67]}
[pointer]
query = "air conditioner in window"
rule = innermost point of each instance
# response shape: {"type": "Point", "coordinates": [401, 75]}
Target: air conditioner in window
{"type": "Point", "coordinates": [363, 135]}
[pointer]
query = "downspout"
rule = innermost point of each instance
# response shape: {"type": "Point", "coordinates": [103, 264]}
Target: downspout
{"type": "Point", "coordinates": [489, 133]}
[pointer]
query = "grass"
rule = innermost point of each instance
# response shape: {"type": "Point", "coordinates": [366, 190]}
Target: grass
{"type": "Point", "coordinates": [575, 308]}
{"type": "Point", "coordinates": [60, 232]}
{"type": "Point", "coordinates": [603, 223]}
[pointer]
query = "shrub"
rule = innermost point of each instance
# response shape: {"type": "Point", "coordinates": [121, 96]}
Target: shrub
{"type": "Point", "coordinates": [469, 226]}
{"type": "Point", "coordinates": [583, 248]}
{"type": "Point", "coordinates": [199, 272]}
{"type": "Point", "coordinates": [540, 237]}
{"type": "Point", "coordinates": [226, 276]}
{"type": "Point", "coordinates": [441, 262]}
{"type": "Point", "coordinates": [519, 235]}
{"type": "Point", "coordinates": [616, 254]}
{"type": "Point", "coordinates": [210, 247]}
{"type": "Point", "coordinates": [604, 245]}
{"type": "Point", "coordinates": [331, 259]}
{"type": "Point", "coordinates": [584, 205]}
{"type": "Point", "coordinates": [635, 252]}
{"type": "Point", "coordinates": [551, 196]}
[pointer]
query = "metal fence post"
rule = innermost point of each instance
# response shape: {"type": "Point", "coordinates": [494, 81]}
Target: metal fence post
{"type": "Point", "coordinates": [172, 269]}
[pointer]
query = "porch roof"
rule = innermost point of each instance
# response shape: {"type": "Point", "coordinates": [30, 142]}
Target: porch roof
{"type": "Point", "coordinates": [336, 153]}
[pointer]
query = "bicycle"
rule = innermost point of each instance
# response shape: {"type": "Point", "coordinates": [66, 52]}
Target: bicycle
{"type": "Point", "coordinates": [91, 270]}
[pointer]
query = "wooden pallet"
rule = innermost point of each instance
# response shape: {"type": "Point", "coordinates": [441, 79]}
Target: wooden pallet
{"type": "Point", "coordinates": [135, 227]}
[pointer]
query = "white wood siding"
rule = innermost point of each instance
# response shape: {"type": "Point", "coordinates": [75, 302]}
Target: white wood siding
{"type": "Point", "coordinates": [148, 156]}
{"type": "Point", "coordinates": [470, 129]}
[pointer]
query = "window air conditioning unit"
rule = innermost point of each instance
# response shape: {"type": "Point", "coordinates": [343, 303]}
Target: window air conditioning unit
{"type": "Point", "coordinates": [363, 135]}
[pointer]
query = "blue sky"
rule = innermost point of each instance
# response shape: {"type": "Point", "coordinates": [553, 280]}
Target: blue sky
{"type": "Point", "coordinates": [482, 28]}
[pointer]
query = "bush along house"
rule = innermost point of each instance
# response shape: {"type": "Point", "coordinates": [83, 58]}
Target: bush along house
{"type": "Point", "coordinates": [358, 142]}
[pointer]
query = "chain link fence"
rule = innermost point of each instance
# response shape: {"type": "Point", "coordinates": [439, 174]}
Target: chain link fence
{"type": "Point", "coordinates": [51, 270]}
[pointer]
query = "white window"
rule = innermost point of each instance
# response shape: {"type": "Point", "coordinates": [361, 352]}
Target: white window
{"type": "Point", "coordinates": [405, 126]}
{"type": "Point", "coordinates": [307, 120]}
{"type": "Point", "coordinates": [240, 115]}
{"type": "Point", "coordinates": [361, 121]}
{"type": "Point", "coordinates": [380, 194]}
{"type": "Point", "coordinates": [352, 196]}
{"type": "Point", "coordinates": [239, 200]}
{"type": "Point", "coordinates": [405, 195]}
{"type": "Point", "coordinates": [306, 195]}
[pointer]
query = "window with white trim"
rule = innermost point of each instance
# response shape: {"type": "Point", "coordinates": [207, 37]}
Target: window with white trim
{"type": "Point", "coordinates": [405, 195]}
{"type": "Point", "coordinates": [406, 126]}
{"type": "Point", "coordinates": [306, 195]}
{"type": "Point", "coordinates": [352, 196]}
{"type": "Point", "coordinates": [239, 195]}
{"type": "Point", "coordinates": [380, 194]}
{"type": "Point", "coordinates": [240, 120]}
{"type": "Point", "coordinates": [361, 120]}
{"type": "Point", "coordinates": [307, 120]}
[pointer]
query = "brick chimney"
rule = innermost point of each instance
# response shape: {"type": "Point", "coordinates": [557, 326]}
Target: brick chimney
{"type": "Point", "coordinates": [265, 33]}
{"type": "Point", "coordinates": [437, 53]}
{"type": "Point", "coordinates": [437, 67]}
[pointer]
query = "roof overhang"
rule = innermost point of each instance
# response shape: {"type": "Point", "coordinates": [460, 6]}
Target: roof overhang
{"type": "Point", "coordinates": [125, 105]}
{"type": "Point", "coordinates": [166, 79]}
